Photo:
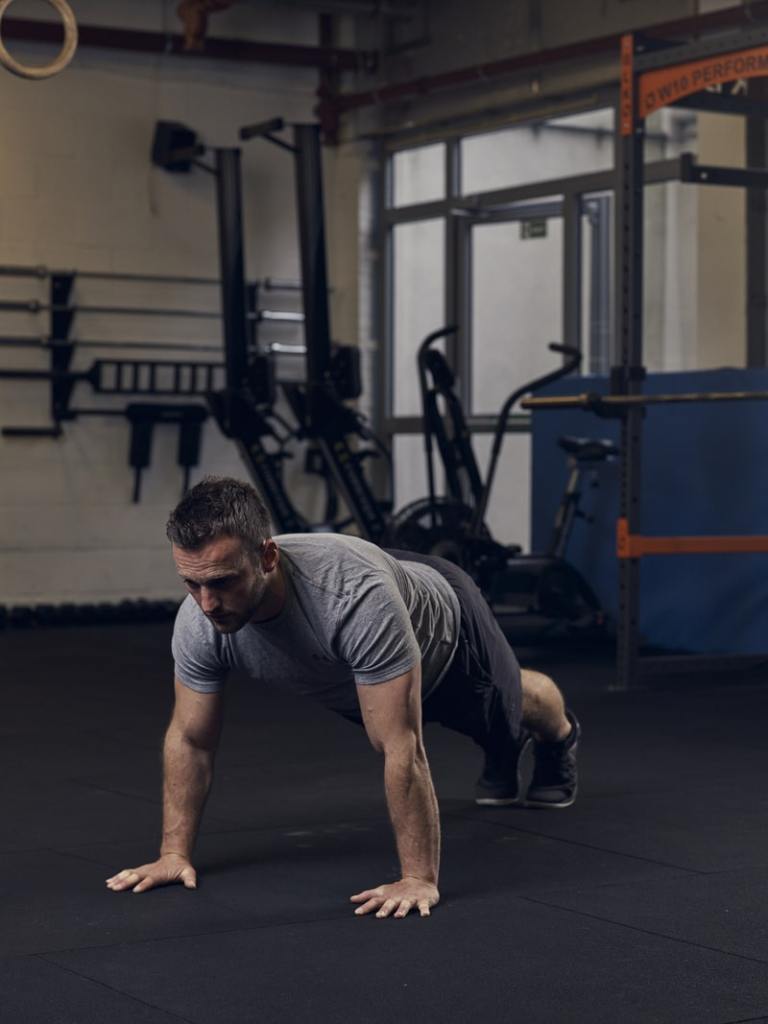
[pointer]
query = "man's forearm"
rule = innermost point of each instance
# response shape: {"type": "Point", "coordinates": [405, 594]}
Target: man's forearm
{"type": "Point", "coordinates": [413, 809]}
{"type": "Point", "coordinates": [188, 771]}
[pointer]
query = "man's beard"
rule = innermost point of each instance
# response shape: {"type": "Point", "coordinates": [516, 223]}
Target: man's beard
{"type": "Point", "coordinates": [233, 622]}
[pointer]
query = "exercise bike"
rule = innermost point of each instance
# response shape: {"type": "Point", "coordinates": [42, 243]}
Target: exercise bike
{"type": "Point", "coordinates": [535, 596]}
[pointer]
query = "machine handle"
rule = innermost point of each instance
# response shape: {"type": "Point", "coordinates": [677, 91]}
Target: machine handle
{"type": "Point", "coordinates": [573, 360]}
{"type": "Point", "coordinates": [250, 131]}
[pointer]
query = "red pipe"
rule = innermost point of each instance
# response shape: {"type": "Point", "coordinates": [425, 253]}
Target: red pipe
{"type": "Point", "coordinates": [220, 49]}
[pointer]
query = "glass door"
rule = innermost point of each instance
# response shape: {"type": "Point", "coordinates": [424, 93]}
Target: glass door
{"type": "Point", "coordinates": [513, 276]}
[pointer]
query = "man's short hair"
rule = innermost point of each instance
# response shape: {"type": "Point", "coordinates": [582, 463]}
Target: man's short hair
{"type": "Point", "coordinates": [219, 507]}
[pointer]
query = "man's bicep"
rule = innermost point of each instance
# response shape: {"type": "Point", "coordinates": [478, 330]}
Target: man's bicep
{"type": "Point", "coordinates": [197, 716]}
{"type": "Point", "coordinates": [392, 710]}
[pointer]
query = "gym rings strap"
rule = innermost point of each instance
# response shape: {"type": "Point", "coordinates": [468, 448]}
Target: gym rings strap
{"type": "Point", "coordinates": [65, 56]}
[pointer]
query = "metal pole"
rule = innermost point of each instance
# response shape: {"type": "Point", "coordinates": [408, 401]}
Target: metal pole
{"type": "Point", "coordinates": [572, 271]}
{"type": "Point", "coordinates": [314, 273]}
{"type": "Point", "coordinates": [627, 376]}
{"type": "Point", "coordinates": [757, 232]}
{"type": "Point", "coordinates": [234, 306]}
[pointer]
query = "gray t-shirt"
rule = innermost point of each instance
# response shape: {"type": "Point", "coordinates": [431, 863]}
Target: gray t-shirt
{"type": "Point", "coordinates": [353, 614]}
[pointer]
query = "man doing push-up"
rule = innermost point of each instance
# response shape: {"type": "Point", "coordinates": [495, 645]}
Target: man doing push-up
{"type": "Point", "coordinates": [388, 639]}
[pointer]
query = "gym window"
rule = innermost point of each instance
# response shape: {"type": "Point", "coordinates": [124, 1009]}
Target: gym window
{"type": "Point", "coordinates": [418, 175]}
{"type": "Point", "coordinates": [534, 152]}
{"type": "Point", "coordinates": [471, 239]}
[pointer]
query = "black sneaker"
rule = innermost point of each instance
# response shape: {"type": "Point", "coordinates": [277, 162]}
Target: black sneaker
{"type": "Point", "coordinates": [555, 778]}
{"type": "Point", "coordinates": [499, 785]}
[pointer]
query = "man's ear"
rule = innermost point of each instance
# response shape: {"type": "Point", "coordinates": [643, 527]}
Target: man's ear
{"type": "Point", "coordinates": [270, 555]}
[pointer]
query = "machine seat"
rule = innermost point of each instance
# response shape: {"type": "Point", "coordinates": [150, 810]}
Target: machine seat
{"type": "Point", "coordinates": [588, 449]}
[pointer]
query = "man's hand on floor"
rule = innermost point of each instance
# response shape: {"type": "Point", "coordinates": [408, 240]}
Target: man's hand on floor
{"type": "Point", "coordinates": [401, 897]}
{"type": "Point", "coordinates": [166, 870]}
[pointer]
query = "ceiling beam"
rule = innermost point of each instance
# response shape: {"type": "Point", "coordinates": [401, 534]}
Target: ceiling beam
{"type": "Point", "coordinates": [243, 50]}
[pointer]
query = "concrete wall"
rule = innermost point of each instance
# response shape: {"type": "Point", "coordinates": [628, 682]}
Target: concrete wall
{"type": "Point", "coordinates": [77, 191]}
{"type": "Point", "coordinates": [721, 249]}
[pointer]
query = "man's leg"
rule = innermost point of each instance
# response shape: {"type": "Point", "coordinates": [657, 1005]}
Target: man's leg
{"type": "Point", "coordinates": [544, 713]}
{"type": "Point", "coordinates": [556, 733]}
{"type": "Point", "coordinates": [485, 695]}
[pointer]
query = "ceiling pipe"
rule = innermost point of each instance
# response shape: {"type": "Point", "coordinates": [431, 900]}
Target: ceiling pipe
{"type": "Point", "coordinates": [330, 108]}
{"type": "Point", "coordinates": [402, 10]}
{"type": "Point", "coordinates": [244, 50]}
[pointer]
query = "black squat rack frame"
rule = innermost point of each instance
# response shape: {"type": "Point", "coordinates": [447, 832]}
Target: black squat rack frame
{"type": "Point", "coordinates": [655, 75]}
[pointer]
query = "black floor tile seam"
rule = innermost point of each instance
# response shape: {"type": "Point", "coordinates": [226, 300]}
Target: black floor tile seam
{"type": "Point", "coordinates": [155, 801]}
{"type": "Point", "coordinates": [126, 740]}
{"type": "Point", "coordinates": [747, 1020]}
{"type": "Point", "coordinates": [50, 954]}
{"type": "Point", "coordinates": [84, 783]}
{"type": "Point", "coordinates": [232, 828]}
{"type": "Point", "coordinates": [110, 988]}
{"type": "Point", "coordinates": [646, 931]}
{"type": "Point", "coordinates": [64, 852]}
{"type": "Point", "coordinates": [587, 846]}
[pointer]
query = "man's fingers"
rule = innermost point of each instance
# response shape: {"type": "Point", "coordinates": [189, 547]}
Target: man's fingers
{"type": "Point", "coordinates": [122, 880]}
{"type": "Point", "coordinates": [405, 908]}
{"type": "Point", "coordinates": [119, 877]}
{"type": "Point", "coordinates": [372, 904]}
{"type": "Point", "coordinates": [165, 871]}
{"type": "Point", "coordinates": [388, 900]}
{"type": "Point", "coordinates": [366, 895]}
{"type": "Point", "coordinates": [146, 883]}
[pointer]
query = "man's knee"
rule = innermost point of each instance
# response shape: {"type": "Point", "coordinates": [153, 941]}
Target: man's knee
{"type": "Point", "coordinates": [538, 689]}
{"type": "Point", "coordinates": [543, 706]}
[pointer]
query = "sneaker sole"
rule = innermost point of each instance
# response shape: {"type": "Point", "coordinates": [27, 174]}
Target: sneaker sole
{"type": "Point", "coordinates": [490, 801]}
{"type": "Point", "coordinates": [511, 801]}
{"type": "Point", "coordinates": [544, 806]}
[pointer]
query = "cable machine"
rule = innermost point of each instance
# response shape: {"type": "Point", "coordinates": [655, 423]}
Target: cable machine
{"type": "Point", "coordinates": [331, 376]}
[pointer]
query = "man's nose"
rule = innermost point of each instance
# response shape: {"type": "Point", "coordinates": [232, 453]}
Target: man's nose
{"type": "Point", "coordinates": [208, 600]}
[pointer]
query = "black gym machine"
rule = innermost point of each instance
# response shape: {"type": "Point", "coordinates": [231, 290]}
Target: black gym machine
{"type": "Point", "coordinates": [245, 407]}
{"type": "Point", "coordinates": [534, 596]}
{"type": "Point", "coordinates": [332, 372]}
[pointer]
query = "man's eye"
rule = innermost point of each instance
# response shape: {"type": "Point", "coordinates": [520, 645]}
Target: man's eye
{"type": "Point", "coordinates": [220, 584]}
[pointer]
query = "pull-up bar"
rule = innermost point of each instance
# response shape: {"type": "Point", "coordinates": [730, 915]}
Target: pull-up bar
{"type": "Point", "coordinates": [613, 405]}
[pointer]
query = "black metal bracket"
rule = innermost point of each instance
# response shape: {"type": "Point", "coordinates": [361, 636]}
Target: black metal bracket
{"type": "Point", "coordinates": [153, 378]}
{"type": "Point", "coordinates": [61, 354]}
{"type": "Point", "coordinates": [707, 174]}
{"type": "Point", "coordinates": [144, 417]}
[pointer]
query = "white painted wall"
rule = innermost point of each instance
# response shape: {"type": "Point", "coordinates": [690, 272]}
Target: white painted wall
{"type": "Point", "coordinates": [721, 249]}
{"type": "Point", "coordinates": [77, 190]}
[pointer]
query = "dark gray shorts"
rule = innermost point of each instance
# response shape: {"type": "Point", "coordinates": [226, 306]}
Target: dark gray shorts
{"type": "Point", "coordinates": [481, 694]}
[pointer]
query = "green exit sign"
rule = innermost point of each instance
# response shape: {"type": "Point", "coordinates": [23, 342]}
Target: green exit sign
{"type": "Point", "coordinates": [533, 228]}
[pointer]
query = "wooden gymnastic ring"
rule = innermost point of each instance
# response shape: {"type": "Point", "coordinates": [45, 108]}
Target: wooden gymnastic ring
{"type": "Point", "coordinates": [65, 56]}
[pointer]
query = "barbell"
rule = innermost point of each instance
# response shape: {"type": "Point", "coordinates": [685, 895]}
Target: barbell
{"type": "Point", "coordinates": [616, 405]}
